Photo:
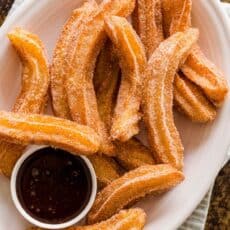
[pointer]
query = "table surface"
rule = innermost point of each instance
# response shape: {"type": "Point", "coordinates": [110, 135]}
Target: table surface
{"type": "Point", "coordinates": [219, 210]}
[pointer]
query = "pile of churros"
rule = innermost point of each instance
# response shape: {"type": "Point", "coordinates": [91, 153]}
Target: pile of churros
{"type": "Point", "coordinates": [107, 75]}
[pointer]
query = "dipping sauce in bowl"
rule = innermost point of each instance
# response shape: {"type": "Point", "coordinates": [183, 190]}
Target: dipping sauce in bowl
{"type": "Point", "coordinates": [53, 186]}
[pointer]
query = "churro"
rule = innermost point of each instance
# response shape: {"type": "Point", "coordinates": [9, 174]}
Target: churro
{"type": "Point", "coordinates": [131, 187]}
{"type": "Point", "coordinates": [197, 67]}
{"type": "Point", "coordinates": [176, 16]}
{"type": "Point", "coordinates": [189, 100]}
{"type": "Point", "coordinates": [48, 130]}
{"type": "Point", "coordinates": [59, 68]}
{"type": "Point", "coordinates": [147, 21]}
{"type": "Point", "coordinates": [130, 219]}
{"type": "Point", "coordinates": [79, 84]}
{"type": "Point", "coordinates": [106, 169]}
{"type": "Point", "coordinates": [133, 154]}
{"type": "Point", "coordinates": [206, 75]}
{"type": "Point", "coordinates": [163, 136]}
{"type": "Point", "coordinates": [34, 88]}
{"type": "Point", "coordinates": [133, 62]}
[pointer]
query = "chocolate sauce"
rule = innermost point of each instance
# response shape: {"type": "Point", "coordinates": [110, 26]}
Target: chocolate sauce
{"type": "Point", "coordinates": [53, 186]}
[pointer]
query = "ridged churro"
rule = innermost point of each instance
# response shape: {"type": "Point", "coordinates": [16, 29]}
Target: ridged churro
{"type": "Point", "coordinates": [34, 88]}
{"type": "Point", "coordinates": [189, 99]}
{"type": "Point", "coordinates": [106, 79]}
{"type": "Point", "coordinates": [133, 154]}
{"type": "Point", "coordinates": [106, 169]}
{"type": "Point", "coordinates": [163, 136]}
{"type": "Point", "coordinates": [85, 48]}
{"type": "Point", "coordinates": [133, 62]}
{"type": "Point", "coordinates": [206, 75]}
{"type": "Point", "coordinates": [176, 16]}
{"type": "Point", "coordinates": [147, 21]}
{"type": "Point", "coordinates": [197, 67]}
{"type": "Point", "coordinates": [131, 187]}
{"type": "Point", "coordinates": [48, 130]}
{"type": "Point", "coordinates": [130, 219]}
{"type": "Point", "coordinates": [59, 69]}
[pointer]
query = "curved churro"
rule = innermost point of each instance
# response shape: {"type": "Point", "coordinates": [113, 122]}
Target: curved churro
{"type": "Point", "coordinates": [189, 100]}
{"type": "Point", "coordinates": [206, 75]}
{"type": "Point", "coordinates": [133, 154]}
{"type": "Point", "coordinates": [131, 187]}
{"type": "Point", "coordinates": [84, 49]}
{"type": "Point", "coordinates": [33, 95]}
{"type": "Point", "coordinates": [40, 129]}
{"type": "Point", "coordinates": [106, 169]}
{"type": "Point", "coordinates": [131, 219]}
{"type": "Point", "coordinates": [147, 21]}
{"type": "Point", "coordinates": [133, 63]}
{"type": "Point", "coordinates": [197, 67]}
{"type": "Point", "coordinates": [158, 97]}
{"type": "Point", "coordinates": [59, 68]}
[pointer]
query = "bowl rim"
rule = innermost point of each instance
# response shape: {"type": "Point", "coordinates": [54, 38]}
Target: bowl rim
{"type": "Point", "coordinates": [30, 151]}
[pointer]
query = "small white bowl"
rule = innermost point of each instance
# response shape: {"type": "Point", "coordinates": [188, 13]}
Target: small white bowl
{"type": "Point", "coordinates": [27, 216]}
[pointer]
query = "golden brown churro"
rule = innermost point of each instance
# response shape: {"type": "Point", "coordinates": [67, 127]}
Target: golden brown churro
{"type": "Point", "coordinates": [197, 67]}
{"type": "Point", "coordinates": [131, 187]}
{"type": "Point", "coordinates": [131, 219]}
{"type": "Point", "coordinates": [85, 48]}
{"type": "Point", "coordinates": [206, 75]}
{"type": "Point", "coordinates": [40, 129]}
{"type": "Point", "coordinates": [106, 80]}
{"type": "Point", "coordinates": [106, 169]}
{"type": "Point", "coordinates": [133, 154]}
{"type": "Point", "coordinates": [176, 16]}
{"type": "Point", "coordinates": [198, 108]}
{"type": "Point", "coordinates": [158, 97]}
{"type": "Point", "coordinates": [147, 21]}
{"type": "Point", "coordinates": [133, 62]}
{"type": "Point", "coordinates": [59, 68]}
{"type": "Point", "coordinates": [33, 95]}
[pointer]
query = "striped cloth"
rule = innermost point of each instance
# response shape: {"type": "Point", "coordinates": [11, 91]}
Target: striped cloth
{"type": "Point", "coordinates": [198, 218]}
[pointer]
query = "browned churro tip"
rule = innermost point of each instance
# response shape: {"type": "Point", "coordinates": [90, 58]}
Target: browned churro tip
{"type": "Point", "coordinates": [48, 130]}
{"type": "Point", "coordinates": [132, 61]}
{"type": "Point", "coordinates": [34, 88]}
{"type": "Point", "coordinates": [131, 187]}
{"type": "Point", "coordinates": [163, 136]}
